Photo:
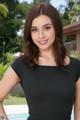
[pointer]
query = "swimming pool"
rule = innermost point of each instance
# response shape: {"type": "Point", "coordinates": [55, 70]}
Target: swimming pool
{"type": "Point", "coordinates": [23, 116]}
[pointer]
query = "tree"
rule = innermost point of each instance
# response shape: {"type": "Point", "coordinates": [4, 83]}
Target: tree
{"type": "Point", "coordinates": [74, 12]}
{"type": "Point", "coordinates": [71, 12]}
{"type": "Point", "coordinates": [9, 26]}
{"type": "Point", "coordinates": [23, 9]}
{"type": "Point", "coordinates": [8, 29]}
{"type": "Point", "coordinates": [36, 1]}
{"type": "Point", "coordinates": [3, 10]}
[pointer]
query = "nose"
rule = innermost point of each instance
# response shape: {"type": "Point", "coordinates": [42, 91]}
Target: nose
{"type": "Point", "coordinates": [41, 34]}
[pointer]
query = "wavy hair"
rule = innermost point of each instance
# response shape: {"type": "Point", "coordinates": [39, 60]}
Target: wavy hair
{"type": "Point", "coordinates": [31, 51]}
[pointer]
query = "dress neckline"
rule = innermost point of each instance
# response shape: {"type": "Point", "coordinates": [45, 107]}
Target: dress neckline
{"type": "Point", "coordinates": [55, 66]}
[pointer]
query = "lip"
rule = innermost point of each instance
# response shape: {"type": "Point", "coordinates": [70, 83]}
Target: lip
{"type": "Point", "coordinates": [43, 42]}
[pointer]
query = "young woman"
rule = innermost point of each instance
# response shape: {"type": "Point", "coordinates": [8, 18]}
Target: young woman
{"type": "Point", "coordinates": [50, 79]}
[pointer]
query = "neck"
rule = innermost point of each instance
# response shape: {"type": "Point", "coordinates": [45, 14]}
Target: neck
{"type": "Point", "coordinates": [47, 53]}
{"type": "Point", "coordinates": [47, 58]}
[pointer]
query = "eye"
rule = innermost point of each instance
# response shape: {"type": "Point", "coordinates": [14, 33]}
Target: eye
{"type": "Point", "coordinates": [33, 30]}
{"type": "Point", "coordinates": [47, 28]}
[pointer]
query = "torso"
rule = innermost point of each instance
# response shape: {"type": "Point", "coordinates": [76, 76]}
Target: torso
{"type": "Point", "coordinates": [49, 89]}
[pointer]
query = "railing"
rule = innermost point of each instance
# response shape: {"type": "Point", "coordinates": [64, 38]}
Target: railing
{"type": "Point", "coordinates": [73, 29]}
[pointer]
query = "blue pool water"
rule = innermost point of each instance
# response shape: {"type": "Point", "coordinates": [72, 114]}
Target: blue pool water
{"type": "Point", "coordinates": [22, 116]}
{"type": "Point", "coordinates": [18, 116]}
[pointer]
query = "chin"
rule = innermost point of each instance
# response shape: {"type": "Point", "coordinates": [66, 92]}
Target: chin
{"type": "Point", "coordinates": [43, 48]}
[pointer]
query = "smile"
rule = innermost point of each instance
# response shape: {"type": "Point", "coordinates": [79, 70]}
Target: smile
{"type": "Point", "coordinates": [43, 42]}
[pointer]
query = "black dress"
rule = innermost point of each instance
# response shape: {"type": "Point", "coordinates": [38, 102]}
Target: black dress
{"type": "Point", "coordinates": [49, 90]}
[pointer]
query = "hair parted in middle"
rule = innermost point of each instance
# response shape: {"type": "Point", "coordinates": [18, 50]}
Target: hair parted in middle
{"type": "Point", "coordinates": [31, 51]}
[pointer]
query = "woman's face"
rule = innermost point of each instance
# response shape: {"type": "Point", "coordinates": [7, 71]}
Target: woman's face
{"type": "Point", "coordinates": [42, 32]}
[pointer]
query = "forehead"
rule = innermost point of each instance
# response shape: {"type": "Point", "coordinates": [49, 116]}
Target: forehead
{"type": "Point", "coordinates": [41, 20]}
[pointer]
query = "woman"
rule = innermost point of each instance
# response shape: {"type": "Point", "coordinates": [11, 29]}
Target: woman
{"type": "Point", "coordinates": [50, 79]}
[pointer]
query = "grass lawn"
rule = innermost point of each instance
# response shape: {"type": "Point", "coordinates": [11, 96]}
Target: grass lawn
{"type": "Point", "coordinates": [13, 100]}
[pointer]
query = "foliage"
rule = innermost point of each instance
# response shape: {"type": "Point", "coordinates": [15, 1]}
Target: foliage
{"type": "Point", "coordinates": [2, 69]}
{"type": "Point", "coordinates": [37, 1]}
{"type": "Point", "coordinates": [10, 26]}
{"type": "Point", "coordinates": [75, 54]}
{"type": "Point", "coordinates": [9, 58]}
{"type": "Point", "coordinates": [3, 10]}
{"type": "Point", "coordinates": [14, 100]}
{"type": "Point", "coordinates": [74, 12]}
{"type": "Point", "coordinates": [71, 12]}
{"type": "Point", "coordinates": [4, 65]}
{"type": "Point", "coordinates": [23, 9]}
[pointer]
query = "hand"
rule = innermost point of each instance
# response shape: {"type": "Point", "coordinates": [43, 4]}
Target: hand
{"type": "Point", "coordinates": [2, 117]}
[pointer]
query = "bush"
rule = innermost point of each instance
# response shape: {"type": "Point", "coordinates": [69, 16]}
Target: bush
{"type": "Point", "coordinates": [9, 58]}
{"type": "Point", "coordinates": [3, 69]}
{"type": "Point", "coordinates": [75, 54]}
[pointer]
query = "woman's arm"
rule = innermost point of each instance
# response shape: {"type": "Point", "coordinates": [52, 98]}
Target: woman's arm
{"type": "Point", "coordinates": [9, 80]}
{"type": "Point", "coordinates": [77, 102]}
{"type": "Point", "coordinates": [2, 112]}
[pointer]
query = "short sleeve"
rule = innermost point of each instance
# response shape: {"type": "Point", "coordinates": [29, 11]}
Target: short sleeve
{"type": "Point", "coordinates": [78, 70]}
{"type": "Point", "coordinates": [17, 66]}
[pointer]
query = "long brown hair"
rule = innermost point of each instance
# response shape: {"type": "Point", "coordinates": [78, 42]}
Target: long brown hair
{"type": "Point", "coordinates": [31, 52]}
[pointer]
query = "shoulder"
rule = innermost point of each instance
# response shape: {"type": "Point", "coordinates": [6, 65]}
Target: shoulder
{"type": "Point", "coordinates": [18, 66]}
{"type": "Point", "coordinates": [18, 59]}
{"type": "Point", "coordinates": [75, 64]}
{"type": "Point", "coordinates": [75, 61]}
{"type": "Point", "coordinates": [18, 63]}
{"type": "Point", "coordinates": [72, 60]}
{"type": "Point", "coordinates": [75, 67]}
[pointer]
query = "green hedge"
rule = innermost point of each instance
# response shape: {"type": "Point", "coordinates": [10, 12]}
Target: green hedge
{"type": "Point", "coordinates": [2, 69]}
{"type": "Point", "coordinates": [9, 58]}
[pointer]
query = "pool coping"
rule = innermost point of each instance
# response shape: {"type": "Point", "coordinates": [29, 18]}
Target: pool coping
{"type": "Point", "coordinates": [16, 109]}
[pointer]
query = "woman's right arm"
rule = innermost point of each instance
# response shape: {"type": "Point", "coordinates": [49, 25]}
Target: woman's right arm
{"type": "Point", "coordinates": [8, 82]}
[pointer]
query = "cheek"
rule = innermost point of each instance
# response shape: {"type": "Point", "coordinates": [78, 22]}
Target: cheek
{"type": "Point", "coordinates": [52, 34]}
{"type": "Point", "coordinates": [33, 36]}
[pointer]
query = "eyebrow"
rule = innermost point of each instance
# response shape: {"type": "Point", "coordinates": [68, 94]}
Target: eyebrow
{"type": "Point", "coordinates": [42, 26]}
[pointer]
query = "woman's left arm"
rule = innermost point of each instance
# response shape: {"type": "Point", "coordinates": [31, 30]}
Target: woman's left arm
{"type": "Point", "coordinates": [77, 101]}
